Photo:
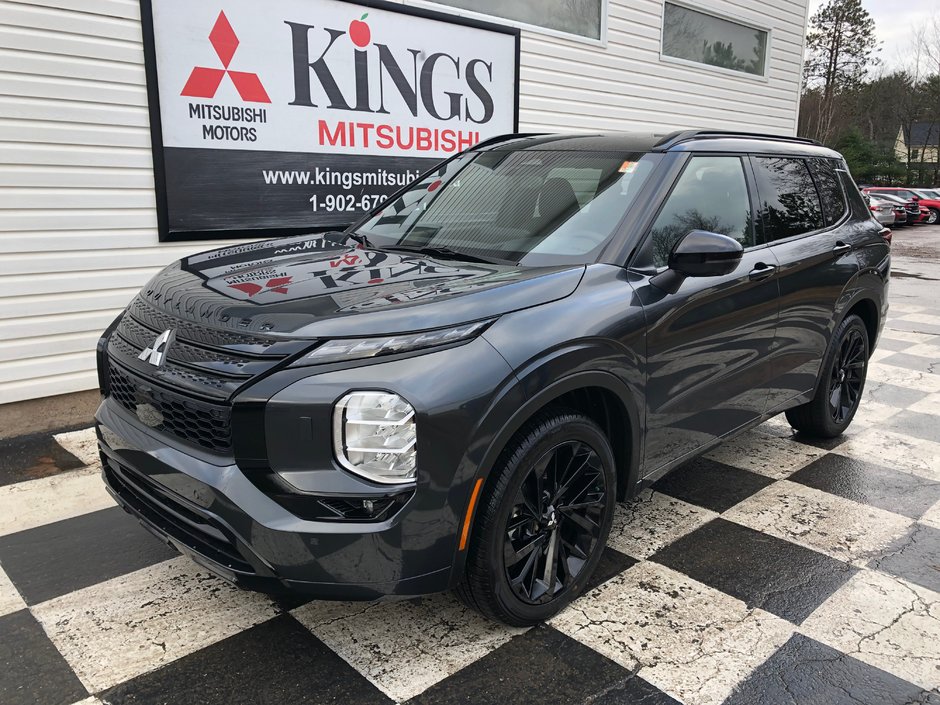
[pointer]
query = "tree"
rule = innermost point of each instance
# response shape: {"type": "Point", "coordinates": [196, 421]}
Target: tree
{"type": "Point", "coordinates": [868, 162]}
{"type": "Point", "coordinates": [841, 47]}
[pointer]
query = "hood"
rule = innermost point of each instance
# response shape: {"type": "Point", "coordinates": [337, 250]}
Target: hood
{"type": "Point", "coordinates": [313, 287]}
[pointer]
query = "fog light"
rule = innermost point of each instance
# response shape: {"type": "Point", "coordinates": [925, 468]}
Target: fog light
{"type": "Point", "coordinates": [374, 435]}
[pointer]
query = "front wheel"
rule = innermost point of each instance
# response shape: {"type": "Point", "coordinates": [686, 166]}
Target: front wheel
{"type": "Point", "coordinates": [543, 520]}
{"type": "Point", "coordinates": [844, 369]}
{"type": "Point", "coordinates": [933, 216]}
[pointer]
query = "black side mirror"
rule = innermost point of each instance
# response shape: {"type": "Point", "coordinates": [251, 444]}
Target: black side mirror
{"type": "Point", "coordinates": [699, 254]}
{"type": "Point", "coordinates": [705, 254]}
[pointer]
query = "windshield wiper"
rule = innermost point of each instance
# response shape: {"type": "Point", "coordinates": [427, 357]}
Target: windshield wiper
{"type": "Point", "coordinates": [446, 253]}
{"type": "Point", "coordinates": [356, 237]}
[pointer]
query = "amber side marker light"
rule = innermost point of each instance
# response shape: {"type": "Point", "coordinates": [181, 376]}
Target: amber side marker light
{"type": "Point", "coordinates": [465, 532]}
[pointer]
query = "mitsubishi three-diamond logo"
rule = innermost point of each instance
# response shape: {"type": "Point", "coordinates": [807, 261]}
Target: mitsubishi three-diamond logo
{"type": "Point", "coordinates": [204, 82]}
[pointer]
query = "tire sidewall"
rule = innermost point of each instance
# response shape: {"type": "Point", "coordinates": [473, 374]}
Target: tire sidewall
{"type": "Point", "coordinates": [565, 427]}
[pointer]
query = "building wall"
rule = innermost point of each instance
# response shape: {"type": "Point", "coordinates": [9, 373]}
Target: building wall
{"type": "Point", "coordinates": [77, 218]}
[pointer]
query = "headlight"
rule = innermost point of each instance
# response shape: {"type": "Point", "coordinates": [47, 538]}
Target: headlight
{"type": "Point", "coordinates": [374, 436]}
{"type": "Point", "coordinates": [357, 348]}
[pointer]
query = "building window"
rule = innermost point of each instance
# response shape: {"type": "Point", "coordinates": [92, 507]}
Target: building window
{"type": "Point", "coordinates": [581, 17]}
{"type": "Point", "coordinates": [914, 154]}
{"type": "Point", "coordinates": [706, 39]}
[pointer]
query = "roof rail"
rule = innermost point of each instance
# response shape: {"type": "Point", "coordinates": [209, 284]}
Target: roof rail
{"type": "Point", "coordinates": [507, 137]}
{"type": "Point", "coordinates": [675, 138]}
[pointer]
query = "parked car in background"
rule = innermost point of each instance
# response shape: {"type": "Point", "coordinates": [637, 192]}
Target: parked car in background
{"type": "Point", "coordinates": [902, 216]}
{"type": "Point", "coordinates": [884, 211]}
{"type": "Point", "coordinates": [911, 203]}
{"type": "Point", "coordinates": [932, 205]}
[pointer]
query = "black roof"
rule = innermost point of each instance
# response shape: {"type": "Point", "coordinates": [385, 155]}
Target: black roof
{"type": "Point", "coordinates": [922, 134]}
{"type": "Point", "coordinates": [687, 140]}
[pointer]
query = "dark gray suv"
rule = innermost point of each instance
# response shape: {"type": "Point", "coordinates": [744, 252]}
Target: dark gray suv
{"type": "Point", "coordinates": [454, 392]}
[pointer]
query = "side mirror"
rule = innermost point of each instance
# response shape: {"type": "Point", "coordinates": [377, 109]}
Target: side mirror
{"type": "Point", "coordinates": [705, 254]}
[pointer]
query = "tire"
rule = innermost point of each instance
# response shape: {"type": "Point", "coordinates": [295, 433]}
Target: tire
{"type": "Point", "coordinates": [842, 381]}
{"type": "Point", "coordinates": [517, 593]}
{"type": "Point", "coordinates": [933, 217]}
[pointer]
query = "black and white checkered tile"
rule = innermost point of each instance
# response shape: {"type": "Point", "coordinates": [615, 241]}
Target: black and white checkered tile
{"type": "Point", "coordinates": [774, 570]}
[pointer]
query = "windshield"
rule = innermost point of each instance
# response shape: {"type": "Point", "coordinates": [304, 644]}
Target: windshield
{"type": "Point", "coordinates": [529, 207]}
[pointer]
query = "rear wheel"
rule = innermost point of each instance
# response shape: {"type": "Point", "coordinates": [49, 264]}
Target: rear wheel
{"type": "Point", "coordinates": [844, 370]}
{"type": "Point", "coordinates": [543, 520]}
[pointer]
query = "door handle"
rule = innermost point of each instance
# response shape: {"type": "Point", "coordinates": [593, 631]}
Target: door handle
{"type": "Point", "coordinates": [841, 248]}
{"type": "Point", "coordinates": [761, 271]}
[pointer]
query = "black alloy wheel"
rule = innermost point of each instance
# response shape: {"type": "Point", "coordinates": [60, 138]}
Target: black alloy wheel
{"type": "Point", "coordinates": [543, 518]}
{"type": "Point", "coordinates": [555, 522]}
{"type": "Point", "coordinates": [847, 376]}
{"type": "Point", "coordinates": [842, 379]}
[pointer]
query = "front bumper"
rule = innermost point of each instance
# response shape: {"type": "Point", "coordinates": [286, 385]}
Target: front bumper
{"type": "Point", "coordinates": [215, 515]}
{"type": "Point", "coordinates": [223, 511]}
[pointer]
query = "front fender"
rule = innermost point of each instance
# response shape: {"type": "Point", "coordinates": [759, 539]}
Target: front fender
{"type": "Point", "coordinates": [537, 386]}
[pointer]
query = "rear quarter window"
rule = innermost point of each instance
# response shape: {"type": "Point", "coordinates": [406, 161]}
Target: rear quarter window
{"type": "Point", "coordinates": [857, 203]}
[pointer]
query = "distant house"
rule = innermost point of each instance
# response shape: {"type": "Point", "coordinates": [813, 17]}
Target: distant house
{"type": "Point", "coordinates": [919, 144]}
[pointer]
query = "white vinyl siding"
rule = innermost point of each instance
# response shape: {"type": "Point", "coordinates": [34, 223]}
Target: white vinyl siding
{"type": "Point", "coordinates": [78, 225]}
{"type": "Point", "coordinates": [77, 217]}
{"type": "Point", "coordinates": [569, 85]}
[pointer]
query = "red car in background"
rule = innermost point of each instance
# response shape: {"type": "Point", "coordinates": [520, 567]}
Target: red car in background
{"type": "Point", "coordinates": [929, 208]}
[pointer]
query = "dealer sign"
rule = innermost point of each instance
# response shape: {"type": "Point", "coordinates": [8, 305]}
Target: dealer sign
{"type": "Point", "coordinates": [297, 115]}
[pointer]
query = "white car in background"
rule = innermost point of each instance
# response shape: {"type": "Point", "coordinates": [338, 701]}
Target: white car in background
{"type": "Point", "coordinates": [883, 210]}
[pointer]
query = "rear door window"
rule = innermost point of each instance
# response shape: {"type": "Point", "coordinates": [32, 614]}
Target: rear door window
{"type": "Point", "coordinates": [710, 195]}
{"type": "Point", "coordinates": [789, 204]}
{"type": "Point", "coordinates": [830, 191]}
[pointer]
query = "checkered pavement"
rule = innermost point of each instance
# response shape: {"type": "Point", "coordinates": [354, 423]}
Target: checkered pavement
{"type": "Point", "coordinates": [773, 570]}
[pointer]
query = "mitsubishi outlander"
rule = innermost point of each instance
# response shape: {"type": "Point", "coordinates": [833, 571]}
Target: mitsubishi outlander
{"type": "Point", "coordinates": [454, 392]}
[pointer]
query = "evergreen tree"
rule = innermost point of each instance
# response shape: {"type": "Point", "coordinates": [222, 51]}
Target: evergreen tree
{"type": "Point", "coordinates": [841, 46]}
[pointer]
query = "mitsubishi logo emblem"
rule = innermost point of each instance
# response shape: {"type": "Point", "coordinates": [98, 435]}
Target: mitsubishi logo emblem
{"type": "Point", "coordinates": [204, 81]}
{"type": "Point", "coordinates": [156, 353]}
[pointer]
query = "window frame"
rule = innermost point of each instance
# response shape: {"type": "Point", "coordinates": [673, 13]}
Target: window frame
{"type": "Point", "coordinates": [496, 19]}
{"type": "Point", "coordinates": [793, 238]}
{"type": "Point", "coordinates": [763, 77]}
{"type": "Point", "coordinates": [642, 249]}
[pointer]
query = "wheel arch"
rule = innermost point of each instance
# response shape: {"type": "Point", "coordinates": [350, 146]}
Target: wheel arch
{"type": "Point", "coordinates": [865, 308]}
{"type": "Point", "coordinates": [601, 396]}
{"type": "Point", "coordinates": [863, 304]}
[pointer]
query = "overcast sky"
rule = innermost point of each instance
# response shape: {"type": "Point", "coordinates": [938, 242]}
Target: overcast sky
{"type": "Point", "coordinates": [894, 20]}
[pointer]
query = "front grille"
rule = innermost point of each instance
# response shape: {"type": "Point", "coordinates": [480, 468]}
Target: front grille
{"type": "Point", "coordinates": [202, 423]}
{"type": "Point", "coordinates": [197, 332]}
{"type": "Point", "coordinates": [189, 394]}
